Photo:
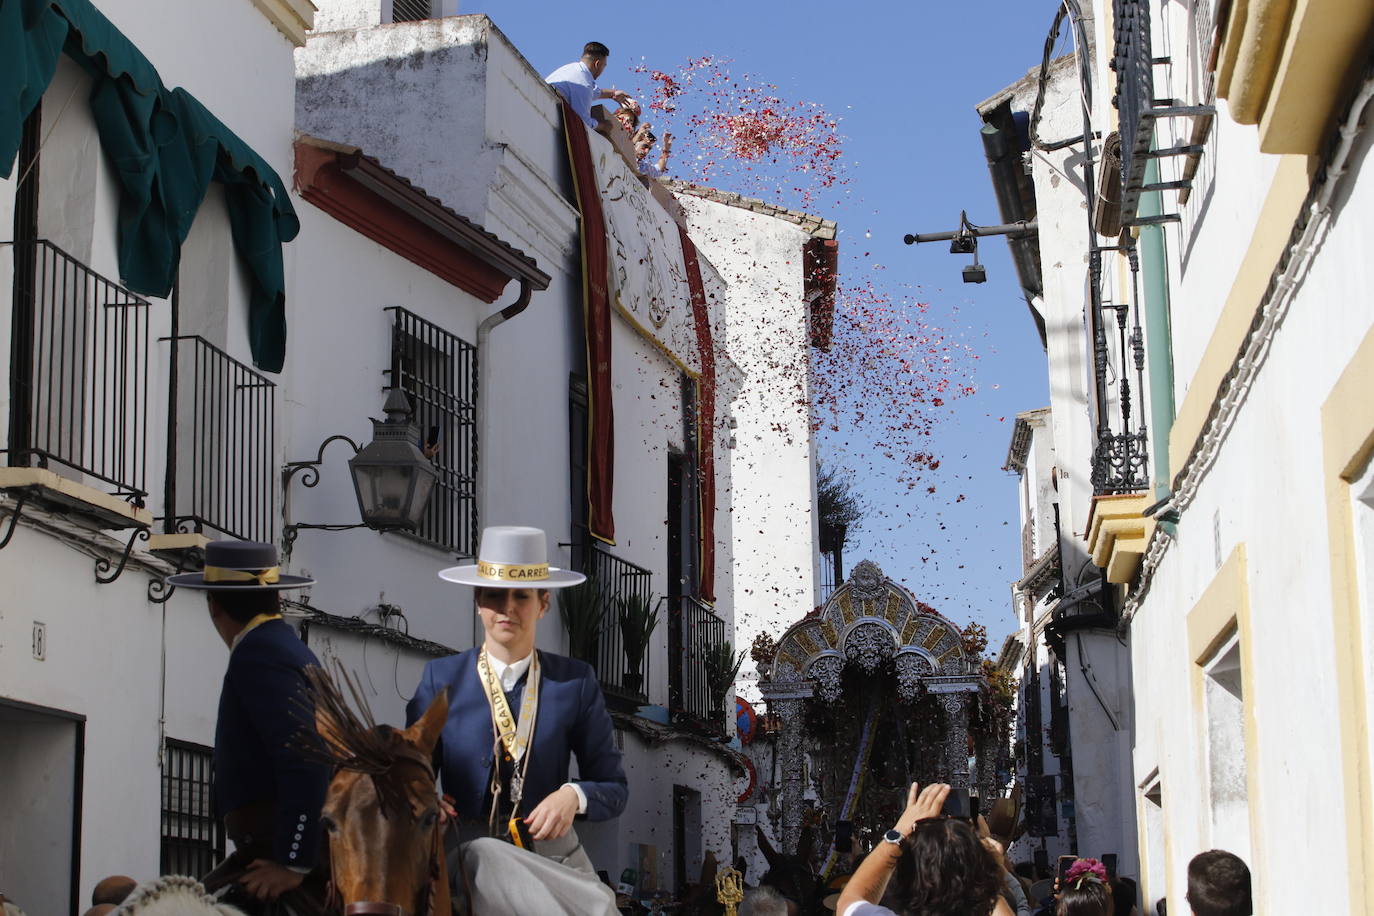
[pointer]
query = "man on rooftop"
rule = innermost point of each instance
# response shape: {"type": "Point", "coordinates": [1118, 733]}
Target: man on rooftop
{"type": "Point", "coordinates": [576, 82]}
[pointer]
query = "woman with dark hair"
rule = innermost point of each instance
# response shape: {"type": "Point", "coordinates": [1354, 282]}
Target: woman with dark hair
{"type": "Point", "coordinates": [942, 866]}
{"type": "Point", "coordinates": [1085, 891]}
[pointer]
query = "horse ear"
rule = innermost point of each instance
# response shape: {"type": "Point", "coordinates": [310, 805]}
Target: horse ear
{"type": "Point", "coordinates": [424, 734]}
{"type": "Point", "coordinates": [769, 852]}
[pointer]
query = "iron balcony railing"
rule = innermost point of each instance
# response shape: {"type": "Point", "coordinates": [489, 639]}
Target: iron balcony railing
{"type": "Point", "coordinates": [1139, 111]}
{"type": "Point", "coordinates": [220, 451]}
{"type": "Point", "coordinates": [1120, 458]}
{"type": "Point", "coordinates": [618, 580]}
{"type": "Point", "coordinates": [697, 631]}
{"type": "Point", "coordinates": [1133, 62]}
{"type": "Point", "coordinates": [78, 371]}
{"type": "Point", "coordinates": [437, 370]}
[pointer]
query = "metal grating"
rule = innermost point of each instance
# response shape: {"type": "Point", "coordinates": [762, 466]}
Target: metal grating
{"type": "Point", "coordinates": [410, 10]}
{"type": "Point", "coordinates": [224, 463]}
{"type": "Point", "coordinates": [192, 837]}
{"type": "Point", "coordinates": [437, 371]}
{"type": "Point", "coordinates": [79, 371]}
{"type": "Point", "coordinates": [1134, 99]}
{"type": "Point", "coordinates": [699, 631]}
{"type": "Point", "coordinates": [617, 579]}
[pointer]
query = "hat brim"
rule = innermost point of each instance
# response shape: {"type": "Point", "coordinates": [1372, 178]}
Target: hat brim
{"type": "Point", "coordinates": [197, 581]}
{"type": "Point", "coordinates": [467, 575]}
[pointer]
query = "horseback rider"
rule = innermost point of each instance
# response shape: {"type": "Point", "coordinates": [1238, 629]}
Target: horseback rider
{"type": "Point", "coordinates": [516, 717]}
{"type": "Point", "coordinates": [268, 793]}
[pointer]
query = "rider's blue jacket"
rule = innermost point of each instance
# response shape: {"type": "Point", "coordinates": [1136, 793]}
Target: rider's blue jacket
{"type": "Point", "coordinates": [255, 760]}
{"type": "Point", "coordinates": [572, 721]}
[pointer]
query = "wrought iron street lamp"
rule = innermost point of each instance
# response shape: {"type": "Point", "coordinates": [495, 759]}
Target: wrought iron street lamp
{"type": "Point", "coordinates": [392, 478]}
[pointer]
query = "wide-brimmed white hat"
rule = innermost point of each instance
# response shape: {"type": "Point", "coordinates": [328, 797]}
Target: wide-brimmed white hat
{"type": "Point", "coordinates": [510, 556]}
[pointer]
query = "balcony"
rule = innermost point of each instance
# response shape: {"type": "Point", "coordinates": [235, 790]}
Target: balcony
{"type": "Point", "coordinates": [618, 581]}
{"type": "Point", "coordinates": [695, 631]}
{"type": "Point", "coordinates": [78, 422]}
{"type": "Point", "coordinates": [221, 450]}
{"type": "Point", "coordinates": [1138, 111]}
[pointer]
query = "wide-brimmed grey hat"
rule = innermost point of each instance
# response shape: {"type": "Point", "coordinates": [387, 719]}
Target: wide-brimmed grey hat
{"type": "Point", "coordinates": [239, 566]}
{"type": "Point", "coordinates": [510, 556]}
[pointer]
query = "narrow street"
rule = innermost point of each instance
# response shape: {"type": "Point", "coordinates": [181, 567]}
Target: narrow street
{"type": "Point", "coordinates": [759, 459]}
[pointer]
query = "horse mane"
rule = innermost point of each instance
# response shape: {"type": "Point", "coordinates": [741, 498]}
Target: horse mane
{"type": "Point", "coordinates": [346, 736]}
{"type": "Point", "coordinates": [174, 895]}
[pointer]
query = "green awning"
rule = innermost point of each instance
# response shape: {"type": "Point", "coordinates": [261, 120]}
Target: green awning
{"type": "Point", "coordinates": [165, 148]}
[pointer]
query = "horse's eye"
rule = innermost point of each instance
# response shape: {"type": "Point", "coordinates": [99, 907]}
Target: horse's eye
{"type": "Point", "coordinates": [328, 823]}
{"type": "Point", "coordinates": [429, 817]}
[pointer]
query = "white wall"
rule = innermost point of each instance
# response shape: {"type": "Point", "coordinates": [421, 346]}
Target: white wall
{"type": "Point", "coordinates": [497, 157]}
{"type": "Point", "coordinates": [105, 651]}
{"type": "Point", "coordinates": [1266, 491]}
{"type": "Point", "coordinates": [767, 333]}
{"type": "Point", "coordinates": [107, 645]}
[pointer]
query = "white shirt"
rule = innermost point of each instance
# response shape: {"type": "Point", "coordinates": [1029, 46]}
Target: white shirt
{"type": "Point", "coordinates": [575, 83]}
{"type": "Point", "coordinates": [509, 676]}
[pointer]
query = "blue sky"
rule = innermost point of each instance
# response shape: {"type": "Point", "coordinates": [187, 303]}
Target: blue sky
{"type": "Point", "coordinates": [903, 77]}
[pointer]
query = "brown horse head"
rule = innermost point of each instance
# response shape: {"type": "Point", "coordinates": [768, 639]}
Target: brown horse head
{"type": "Point", "coordinates": [381, 814]}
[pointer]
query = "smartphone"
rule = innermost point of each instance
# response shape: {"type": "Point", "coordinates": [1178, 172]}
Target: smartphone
{"type": "Point", "coordinates": [975, 807]}
{"type": "Point", "coordinates": [1109, 863]}
{"type": "Point", "coordinates": [1062, 867]}
{"type": "Point", "coordinates": [957, 803]}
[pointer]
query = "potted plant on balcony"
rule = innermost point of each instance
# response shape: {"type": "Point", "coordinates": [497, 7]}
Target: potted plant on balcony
{"type": "Point", "coordinates": [583, 614]}
{"type": "Point", "coordinates": [722, 664]}
{"type": "Point", "coordinates": [638, 620]}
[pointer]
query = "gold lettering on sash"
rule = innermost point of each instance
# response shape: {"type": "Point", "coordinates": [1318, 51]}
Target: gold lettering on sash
{"type": "Point", "coordinates": [512, 572]}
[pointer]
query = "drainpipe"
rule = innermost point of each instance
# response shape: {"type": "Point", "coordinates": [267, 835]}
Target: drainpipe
{"type": "Point", "coordinates": [484, 424]}
{"type": "Point", "coordinates": [1159, 354]}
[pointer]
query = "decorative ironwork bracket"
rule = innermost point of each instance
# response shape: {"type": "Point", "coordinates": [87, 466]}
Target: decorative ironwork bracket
{"type": "Point", "coordinates": [103, 564]}
{"type": "Point", "coordinates": [17, 511]}
{"type": "Point", "coordinates": [159, 592]}
{"type": "Point", "coordinates": [310, 478]}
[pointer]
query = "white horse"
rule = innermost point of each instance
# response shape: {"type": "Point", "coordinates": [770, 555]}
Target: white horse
{"type": "Point", "coordinates": [174, 895]}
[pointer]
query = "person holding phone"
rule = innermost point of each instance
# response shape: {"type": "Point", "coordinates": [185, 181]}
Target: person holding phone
{"type": "Point", "coordinates": [939, 862]}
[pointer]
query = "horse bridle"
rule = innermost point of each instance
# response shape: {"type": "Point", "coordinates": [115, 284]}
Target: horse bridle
{"type": "Point", "coordinates": [372, 908]}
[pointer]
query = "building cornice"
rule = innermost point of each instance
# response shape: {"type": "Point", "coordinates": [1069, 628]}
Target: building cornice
{"type": "Point", "coordinates": [293, 18]}
{"type": "Point", "coordinates": [814, 226]}
{"type": "Point", "coordinates": [363, 194]}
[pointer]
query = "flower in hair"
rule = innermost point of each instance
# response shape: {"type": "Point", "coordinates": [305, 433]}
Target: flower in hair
{"type": "Point", "coordinates": [1085, 870]}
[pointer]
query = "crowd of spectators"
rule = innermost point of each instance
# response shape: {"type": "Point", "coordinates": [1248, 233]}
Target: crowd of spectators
{"type": "Point", "coordinates": [577, 84]}
{"type": "Point", "coordinates": [935, 863]}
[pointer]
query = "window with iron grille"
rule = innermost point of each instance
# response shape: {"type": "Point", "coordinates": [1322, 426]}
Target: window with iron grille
{"type": "Point", "coordinates": [192, 837]}
{"type": "Point", "coordinates": [410, 10]}
{"type": "Point", "coordinates": [437, 371]}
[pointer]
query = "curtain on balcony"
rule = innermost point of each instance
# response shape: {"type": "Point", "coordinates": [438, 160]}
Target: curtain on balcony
{"type": "Point", "coordinates": [596, 320]}
{"type": "Point", "coordinates": [706, 420]}
{"type": "Point", "coordinates": [165, 148]}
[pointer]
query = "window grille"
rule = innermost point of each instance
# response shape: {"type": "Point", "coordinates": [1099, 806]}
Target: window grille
{"type": "Point", "coordinates": [438, 373]}
{"type": "Point", "coordinates": [410, 10]}
{"type": "Point", "coordinates": [192, 837]}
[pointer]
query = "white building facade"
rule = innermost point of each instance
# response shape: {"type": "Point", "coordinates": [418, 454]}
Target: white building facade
{"type": "Point", "coordinates": [1229, 482]}
{"type": "Point", "coordinates": [438, 254]}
